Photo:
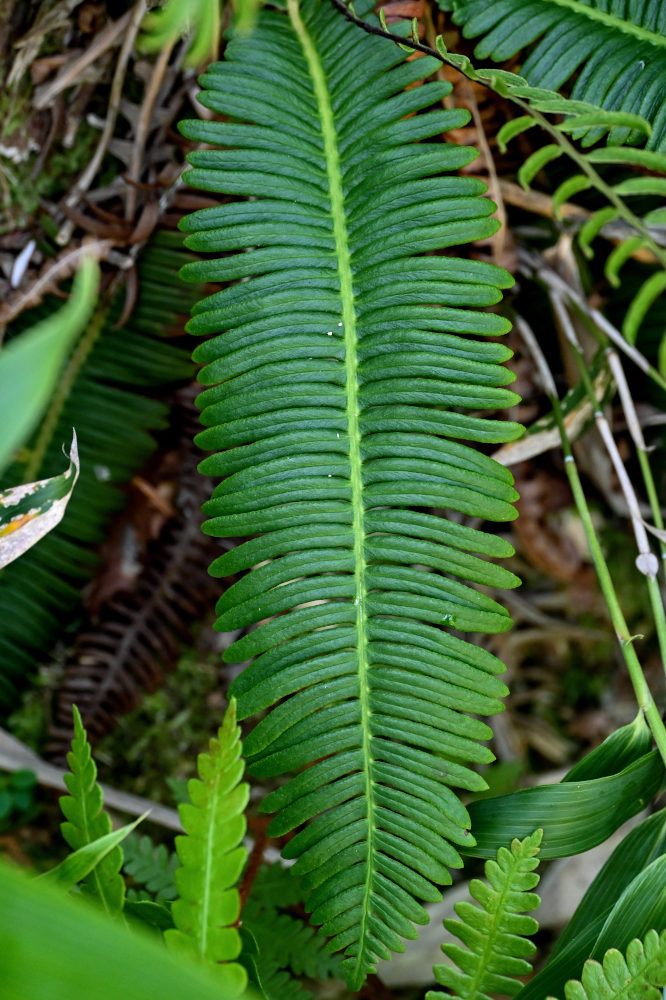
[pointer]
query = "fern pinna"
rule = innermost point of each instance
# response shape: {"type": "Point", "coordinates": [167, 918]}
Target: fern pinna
{"type": "Point", "coordinates": [340, 379]}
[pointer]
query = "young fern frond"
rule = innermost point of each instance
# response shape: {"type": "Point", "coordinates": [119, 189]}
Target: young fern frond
{"type": "Point", "coordinates": [641, 974]}
{"type": "Point", "coordinates": [341, 375]}
{"type": "Point", "coordinates": [496, 933]}
{"type": "Point", "coordinates": [87, 821]}
{"type": "Point", "coordinates": [617, 51]}
{"type": "Point", "coordinates": [212, 856]}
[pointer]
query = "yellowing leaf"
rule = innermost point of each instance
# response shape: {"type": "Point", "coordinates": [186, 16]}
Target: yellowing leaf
{"type": "Point", "coordinates": [31, 510]}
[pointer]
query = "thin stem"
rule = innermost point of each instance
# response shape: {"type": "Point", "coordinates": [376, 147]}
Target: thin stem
{"type": "Point", "coordinates": [644, 698]}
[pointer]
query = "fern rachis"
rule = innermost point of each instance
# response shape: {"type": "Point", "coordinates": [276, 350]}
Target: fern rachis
{"type": "Point", "coordinates": [340, 376]}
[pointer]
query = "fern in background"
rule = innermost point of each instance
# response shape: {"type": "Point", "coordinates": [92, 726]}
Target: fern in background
{"type": "Point", "coordinates": [150, 865]}
{"type": "Point", "coordinates": [211, 857]}
{"type": "Point", "coordinates": [641, 974]}
{"type": "Point", "coordinates": [107, 393]}
{"type": "Point", "coordinates": [286, 947]}
{"type": "Point", "coordinates": [362, 363]}
{"type": "Point", "coordinates": [616, 50]}
{"type": "Point", "coordinates": [495, 933]}
{"type": "Point", "coordinates": [87, 821]}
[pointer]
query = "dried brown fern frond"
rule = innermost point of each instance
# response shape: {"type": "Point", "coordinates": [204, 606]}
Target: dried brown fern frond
{"type": "Point", "coordinates": [135, 638]}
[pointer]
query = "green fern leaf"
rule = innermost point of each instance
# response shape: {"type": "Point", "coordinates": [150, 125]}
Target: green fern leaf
{"type": "Point", "coordinates": [615, 50]}
{"type": "Point", "coordinates": [495, 932]}
{"type": "Point", "coordinates": [150, 865]}
{"type": "Point", "coordinates": [641, 974]}
{"type": "Point", "coordinates": [212, 856]}
{"type": "Point", "coordinates": [341, 379]}
{"type": "Point", "coordinates": [87, 821]}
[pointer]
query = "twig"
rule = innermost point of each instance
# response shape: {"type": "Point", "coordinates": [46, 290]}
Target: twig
{"type": "Point", "coordinates": [71, 72]}
{"type": "Point", "coordinates": [644, 697]}
{"type": "Point", "coordinates": [60, 268]}
{"type": "Point", "coordinates": [15, 756]}
{"type": "Point", "coordinates": [143, 127]}
{"type": "Point", "coordinates": [533, 265]}
{"type": "Point", "coordinates": [88, 175]}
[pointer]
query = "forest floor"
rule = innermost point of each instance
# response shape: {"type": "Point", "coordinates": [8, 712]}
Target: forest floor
{"type": "Point", "coordinates": [91, 160]}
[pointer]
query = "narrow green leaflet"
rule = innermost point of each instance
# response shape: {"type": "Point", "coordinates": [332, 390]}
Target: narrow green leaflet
{"type": "Point", "coordinates": [87, 821]}
{"type": "Point", "coordinates": [31, 362]}
{"type": "Point", "coordinates": [642, 974]}
{"type": "Point", "coordinates": [82, 862]}
{"type": "Point", "coordinates": [31, 510]}
{"type": "Point", "coordinates": [212, 856]}
{"type": "Point", "coordinates": [496, 931]}
{"type": "Point", "coordinates": [200, 19]}
{"type": "Point", "coordinates": [575, 815]}
{"type": "Point", "coordinates": [54, 948]}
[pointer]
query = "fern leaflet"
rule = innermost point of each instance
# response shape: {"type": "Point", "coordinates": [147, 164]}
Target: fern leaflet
{"type": "Point", "coordinates": [211, 855]}
{"type": "Point", "coordinates": [495, 932]}
{"type": "Point", "coordinates": [87, 821]}
{"type": "Point", "coordinates": [641, 974]}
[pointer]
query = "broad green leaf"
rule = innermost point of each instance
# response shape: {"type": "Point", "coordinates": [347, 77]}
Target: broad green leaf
{"type": "Point", "coordinates": [55, 948]}
{"type": "Point", "coordinates": [31, 363]}
{"type": "Point", "coordinates": [637, 851]}
{"type": "Point", "coordinates": [574, 815]}
{"type": "Point", "coordinates": [31, 510]}
{"type": "Point", "coordinates": [624, 746]}
{"type": "Point", "coordinates": [81, 863]}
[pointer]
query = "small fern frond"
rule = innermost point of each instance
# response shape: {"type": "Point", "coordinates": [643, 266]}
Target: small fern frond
{"type": "Point", "coordinates": [615, 50]}
{"type": "Point", "coordinates": [212, 856]}
{"type": "Point", "coordinates": [87, 821]}
{"type": "Point", "coordinates": [641, 974]}
{"type": "Point", "coordinates": [496, 932]}
{"type": "Point", "coordinates": [150, 865]}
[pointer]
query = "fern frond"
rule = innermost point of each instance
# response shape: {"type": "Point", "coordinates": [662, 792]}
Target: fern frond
{"type": "Point", "coordinates": [284, 940]}
{"type": "Point", "coordinates": [107, 394]}
{"type": "Point", "coordinates": [87, 821]}
{"type": "Point", "coordinates": [641, 974]}
{"type": "Point", "coordinates": [496, 932]}
{"type": "Point", "coordinates": [341, 379]}
{"type": "Point", "coordinates": [150, 865]}
{"type": "Point", "coordinates": [616, 50]}
{"type": "Point", "coordinates": [211, 857]}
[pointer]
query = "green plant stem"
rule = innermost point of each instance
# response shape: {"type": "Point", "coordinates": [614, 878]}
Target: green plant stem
{"type": "Point", "coordinates": [644, 698]}
{"type": "Point", "coordinates": [642, 541]}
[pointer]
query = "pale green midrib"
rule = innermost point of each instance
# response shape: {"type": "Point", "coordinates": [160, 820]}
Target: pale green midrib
{"type": "Point", "coordinates": [490, 949]}
{"type": "Point", "coordinates": [208, 866]}
{"type": "Point", "coordinates": [618, 24]}
{"type": "Point", "coordinates": [349, 330]}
